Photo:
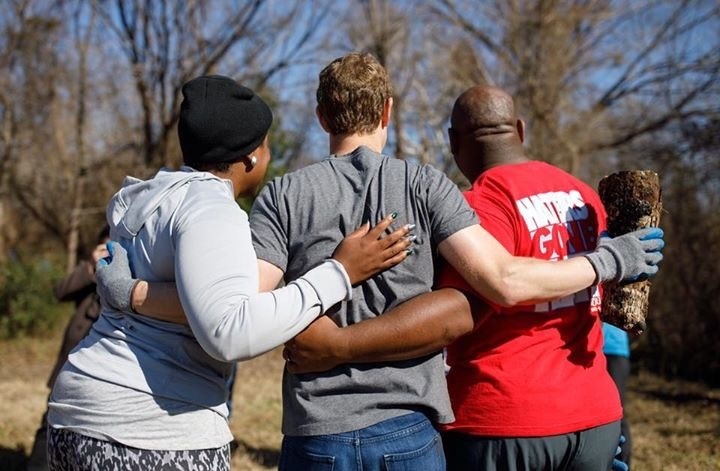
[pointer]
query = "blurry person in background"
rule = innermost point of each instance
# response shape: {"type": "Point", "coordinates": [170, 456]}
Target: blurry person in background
{"type": "Point", "coordinates": [616, 347]}
{"type": "Point", "coordinates": [78, 287]}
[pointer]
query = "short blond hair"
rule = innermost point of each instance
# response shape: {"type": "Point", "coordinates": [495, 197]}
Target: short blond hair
{"type": "Point", "coordinates": [352, 93]}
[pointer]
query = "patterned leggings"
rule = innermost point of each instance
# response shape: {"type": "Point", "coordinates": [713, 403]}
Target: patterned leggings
{"type": "Point", "coordinates": [70, 451]}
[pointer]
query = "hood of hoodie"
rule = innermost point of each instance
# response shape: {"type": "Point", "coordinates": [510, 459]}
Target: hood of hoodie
{"type": "Point", "coordinates": [137, 200]}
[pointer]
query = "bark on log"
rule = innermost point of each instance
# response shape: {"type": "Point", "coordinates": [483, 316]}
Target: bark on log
{"type": "Point", "coordinates": [633, 201]}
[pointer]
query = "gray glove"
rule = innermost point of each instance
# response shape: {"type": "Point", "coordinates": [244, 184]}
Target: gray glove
{"type": "Point", "coordinates": [630, 257]}
{"type": "Point", "coordinates": [114, 279]}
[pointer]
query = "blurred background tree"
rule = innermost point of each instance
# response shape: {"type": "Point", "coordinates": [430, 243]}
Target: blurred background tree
{"type": "Point", "coordinates": [90, 92]}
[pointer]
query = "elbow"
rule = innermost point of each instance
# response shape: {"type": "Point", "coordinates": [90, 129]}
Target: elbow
{"type": "Point", "coordinates": [228, 355]}
{"type": "Point", "coordinates": [459, 319]}
{"type": "Point", "coordinates": [224, 349]}
{"type": "Point", "coordinates": [217, 352]}
{"type": "Point", "coordinates": [451, 334]}
{"type": "Point", "coordinates": [508, 290]}
{"type": "Point", "coordinates": [506, 296]}
{"type": "Point", "coordinates": [498, 286]}
{"type": "Point", "coordinates": [508, 300]}
{"type": "Point", "coordinates": [225, 332]}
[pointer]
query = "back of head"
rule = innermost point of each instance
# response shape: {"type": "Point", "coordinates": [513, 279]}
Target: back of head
{"type": "Point", "coordinates": [485, 130]}
{"type": "Point", "coordinates": [351, 94]}
{"type": "Point", "coordinates": [485, 109]}
{"type": "Point", "coordinates": [220, 122]}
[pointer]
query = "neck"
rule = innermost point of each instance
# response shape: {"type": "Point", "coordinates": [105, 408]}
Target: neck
{"type": "Point", "coordinates": [500, 152]}
{"type": "Point", "coordinates": [235, 177]}
{"type": "Point", "coordinates": [509, 158]}
{"type": "Point", "coordinates": [477, 160]}
{"type": "Point", "coordinates": [345, 144]}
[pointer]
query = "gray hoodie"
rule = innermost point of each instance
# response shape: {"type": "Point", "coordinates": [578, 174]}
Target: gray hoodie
{"type": "Point", "coordinates": [156, 385]}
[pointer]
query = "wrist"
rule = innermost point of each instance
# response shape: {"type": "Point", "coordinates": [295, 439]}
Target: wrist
{"type": "Point", "coordinates": [138, 295]}
{"type": "Point", "coordinates": [333, 278]}
{"type": "Point", "coordinates": [343, 266]}
{"type": "Point", "coordinates": [596, 280]}
{"type": "Point", "coordinates": [604, 263]}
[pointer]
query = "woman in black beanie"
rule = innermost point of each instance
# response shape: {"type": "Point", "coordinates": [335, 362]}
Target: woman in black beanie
{"type": "Point", "coordinates": [140, 393]}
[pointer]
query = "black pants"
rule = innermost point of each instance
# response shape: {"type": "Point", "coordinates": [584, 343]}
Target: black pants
{"type": "Point", "coordinates": [587, 450]}
{"type": "Point", "coordinates": [619, 369]}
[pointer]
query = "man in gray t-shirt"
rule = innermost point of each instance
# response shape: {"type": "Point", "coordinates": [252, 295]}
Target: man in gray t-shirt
{"type": "Point", "coordinates": [370, 415]}
{"type": "Point", "coordinates": [298, 218]}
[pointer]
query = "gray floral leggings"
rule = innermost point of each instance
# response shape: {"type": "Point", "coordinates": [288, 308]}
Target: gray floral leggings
{"type": "Point", "coordinates": [70, 451]}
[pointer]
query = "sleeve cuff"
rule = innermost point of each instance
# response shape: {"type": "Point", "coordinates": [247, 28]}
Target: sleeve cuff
{"type": "Point", "coordinates": [331, 283]}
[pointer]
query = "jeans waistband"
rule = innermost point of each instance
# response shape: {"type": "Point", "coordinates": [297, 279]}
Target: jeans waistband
{"type": "Point", "coordinates": [389, 429]}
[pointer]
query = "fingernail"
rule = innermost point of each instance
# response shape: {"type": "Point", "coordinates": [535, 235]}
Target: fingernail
{"type": "Point", "coordinates": [393, 215]}
{"type": "Point", "coordinates": [410, 227]}
{"type": "Point", "coordinates": [409, 251]}
{"type": "Point", "coordinates": [411, 238]}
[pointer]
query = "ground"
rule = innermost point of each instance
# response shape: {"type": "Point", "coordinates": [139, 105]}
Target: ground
{"type": "Point", "coordinates": [675, 425]}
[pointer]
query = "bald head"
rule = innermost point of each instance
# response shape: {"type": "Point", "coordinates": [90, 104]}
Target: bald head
{"type": "Point", "coordinates": [484, 107]}
{"type": "Point", "coordinates": [485, 130]}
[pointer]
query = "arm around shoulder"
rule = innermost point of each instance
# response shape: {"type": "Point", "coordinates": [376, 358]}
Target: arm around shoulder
{"type": "Point", "coordinates": [420, 326]}
{"type": "Point", "coordinates": [507, 280]}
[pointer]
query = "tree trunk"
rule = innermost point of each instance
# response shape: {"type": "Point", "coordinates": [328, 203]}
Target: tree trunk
{"type": "Point", "coordinates": [633, 201]}
{"type": "Point", "coordinates": [82, 43]}
{"type": "Point", "coordinates": [74, 230]}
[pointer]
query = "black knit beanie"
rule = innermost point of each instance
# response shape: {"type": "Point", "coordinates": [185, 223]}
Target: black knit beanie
{"type": "Point", "coordinates": [220, 121]}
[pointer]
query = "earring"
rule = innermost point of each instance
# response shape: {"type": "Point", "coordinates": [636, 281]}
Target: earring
{"type": "Point", "coordinates": [253, 161]}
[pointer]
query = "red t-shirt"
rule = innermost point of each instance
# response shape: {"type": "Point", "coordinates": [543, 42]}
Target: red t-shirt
{"type": "Point", "coordinates": [533, 370]}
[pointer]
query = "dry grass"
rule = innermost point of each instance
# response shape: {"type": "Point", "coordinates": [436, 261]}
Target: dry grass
{"type": "Point", "coordinates": [257, 409]}
{"type": "Point", "coordinates": [676, 425]}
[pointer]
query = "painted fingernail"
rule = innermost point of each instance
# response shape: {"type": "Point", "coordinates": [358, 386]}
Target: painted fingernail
{"type": "Point", "coordinates": [393, 215]}
{"type": "Point", "coordinates": [411, 238]}
{"type": "Point", "coordinates": [409, 251]}
{"type": "Point", "coordinates": [410, 227]}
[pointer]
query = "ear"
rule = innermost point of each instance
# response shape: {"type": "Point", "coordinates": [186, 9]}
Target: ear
{"type": "Point", "coordinates": [520, 126]}
{"type": "Point", "coordinates": [246, 163]}
{"type": "Point", "coordinates": [320, 118]}
{"type": "Point", "coordinates": [387, 111]}
{"type": "Point", "coordinates": [453, 136]}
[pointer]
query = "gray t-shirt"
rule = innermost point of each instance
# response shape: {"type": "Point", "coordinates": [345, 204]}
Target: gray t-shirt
{"type": "Point", "coordinates": [300, 218]}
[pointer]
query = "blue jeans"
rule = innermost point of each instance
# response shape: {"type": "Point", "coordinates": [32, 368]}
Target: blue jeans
{"type": "Point", "coordinates": [409, 443]}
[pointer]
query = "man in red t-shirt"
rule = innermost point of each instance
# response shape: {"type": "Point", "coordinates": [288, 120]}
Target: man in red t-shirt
{"type": "Point", "coordinates": [529, 385]}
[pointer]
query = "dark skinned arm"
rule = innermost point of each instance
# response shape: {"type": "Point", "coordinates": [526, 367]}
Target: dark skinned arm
{"type": "Point", "coordinates": [158, 300]}
{"type": "Point", "coordinates": [420, 326]}
{"type": "Point", "coordinates": [362, 253]}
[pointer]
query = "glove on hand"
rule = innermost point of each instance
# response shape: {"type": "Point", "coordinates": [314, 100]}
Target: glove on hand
{"type": "Point", "coordinates": [630, 257]}
{"type": "Point", "coordinates": [618, 464]}
{"type": "Point", "coordinates": [114, 278]}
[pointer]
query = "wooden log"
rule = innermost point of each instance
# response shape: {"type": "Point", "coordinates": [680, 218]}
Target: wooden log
{"type": "Point", "coordinates": [633, 201]}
